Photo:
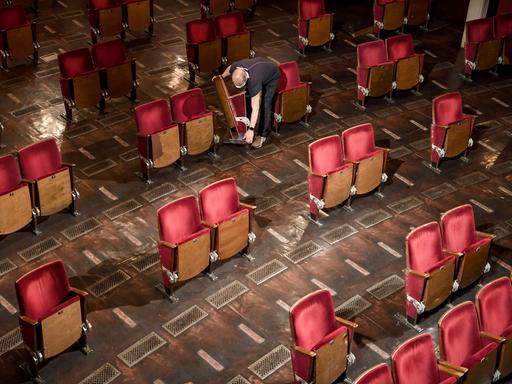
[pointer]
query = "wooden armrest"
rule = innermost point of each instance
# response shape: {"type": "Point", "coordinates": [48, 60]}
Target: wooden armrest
{"type": "Point", "coordinates": [28, 320]}
{"type": "Point", "coordinates": [458, 254]}
{"type": "Point", "coordinates": [72, 165]}
{"type": "Point", "coordinates": [383, 149]}
{"type": "Point", "coordinates": [452, 371]}
{"type": "Point", "coordinates": [485, 234]}
{"type": "Point", "coordinates": [448, 365]}
{"type": "Point", "coordinates": [236, 95]}
{"type": "Point", "coordinates": [496, 339]}
{"type": "Point", "coordinates": [79, 292]}
{"type": "Point", "coordinates": [470, 115]}
{"type": "Point", "coordinates": [347, 323]}
{"type": "Point", "coordinates": [211, 226]}
{"type": "Point", "coordinates": [166, 244]}
{"type": "Point", "coordinates": [142, 135]}
{"type": "Point", "coordinates": [28, 181]}
{"type": "Point", "coordinates": [248, 206]}
{"type": "Point", "coordinates": [317, 174]}
{"type": "Point", "coordinates": [418, 273]}
{"type": "Point", "coordinates": [304, 351]}
{"type": "Point", "coordinates": [352, 161]}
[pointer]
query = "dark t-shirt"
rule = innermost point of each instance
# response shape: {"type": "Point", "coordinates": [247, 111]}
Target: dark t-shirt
{"type": "Point", "coordinates": [261, 72]}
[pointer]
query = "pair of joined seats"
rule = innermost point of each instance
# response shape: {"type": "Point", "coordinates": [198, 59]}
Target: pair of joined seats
{"type": "Point", "coordinates": [218, 7]}
{"type": "Point", "coordinates": [194, 235]}
{"type": "Point", "coordinates": [89, 76]}
{"type": "Point", "coordinates": [36, 183]}
{"type": "Point", "coordinates": [392, 15]}
{"type": "Point", "coordinates": [314, 25]}
{"type": "Point", "coordinates": [383, 66]}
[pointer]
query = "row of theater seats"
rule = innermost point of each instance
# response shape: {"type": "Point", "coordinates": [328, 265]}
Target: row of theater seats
{"type": "Point", "coordinates": [35, 183]}
{"type": "Point", "coordinates": [443, 258]}
{"type": "Point", "coordinates": [392, 15]}
{"type": "Point", "coordinates": [383, 66]}
{"type": "Point", "coordinates": [218, 7]}
{"type": "Point", "coordinates": [475, 343]}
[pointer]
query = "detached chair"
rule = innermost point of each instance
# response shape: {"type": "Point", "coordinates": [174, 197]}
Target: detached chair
{"type": "Point", "coordinates": [330, 177]}
{"type": "Point", "coordinates": [204, 47]}
{"type": "Point", "coordinates": [471, 247]}
{"type": "Point", "coordinates": [503, 29]}
{"type": "Point", "coordinates": [197, 124]}
{"type": "Point", "coordinates": [493, 303]}
{"type": "Point", "coordinates": [415, 361]}
{"type": "Point", "coordinates": [185, 243]}
{"type": "Point", "coordinates": [51, 180]}
{"type": "Point", "coordinates": [370, 161]}
{"type": "Point", "coordinates": [314, 25]}
{"type": "Point", "coordinates": [417, 13]}
{"type": "Point", "coordinates": [388, 15]}
{"type": "Point", "coordinates": [292, 101]}
{"type": "Point", "coordinates": [374, 71]}
{"type": "Point", "coordinates": [229, 219]}
{"type": "Point", "coordinates": [321, 349]}
{"type": "Point", "coordinates": [18, 37]}
{"type": "Point", "coordinates": [430, 273]}
{"type": "Point", "coordinates": [408, 65]}
{"type": "Point", "coordinates": [380, 374]}
{"type": "Point", "coordinates": [80, 82]}
{"type": "Point", "coordinates": [105, 19]}
{"type": "Point", "coordinates": [482, 48]}
{"type": "Point", "coordinates": [214, 7]}
{"type": "Point", "coordinates": [451, 130]}
{"type": "Point", "coordinates": [236, 38]}
{"type": "Point", "coordinates": [158, 137]}
{"type": "Point", "coordinates": [118, 72]}
{"type": "Point", "coordinates": [52, 315]}
{"type": "Point", "coordinates": [464, 346]}
{"type": "Point", "coordinates": [15, 198]}
{"type": "Point", "coordinates": [138, 15]}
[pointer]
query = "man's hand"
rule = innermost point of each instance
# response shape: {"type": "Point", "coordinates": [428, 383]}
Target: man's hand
{"type": "Point", "coordinates": [249, 136]}
{"type": "Point", "coordinates": [226, 72]}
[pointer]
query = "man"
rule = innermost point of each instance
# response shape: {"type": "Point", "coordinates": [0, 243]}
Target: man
{"type": "Point", "coordinates": [260, 77]}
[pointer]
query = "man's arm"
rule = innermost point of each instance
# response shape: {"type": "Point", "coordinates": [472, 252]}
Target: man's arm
{"type": "Point", "coordinates": [226, 72]}
{"type": "Point", "coordinates": [255, 109]}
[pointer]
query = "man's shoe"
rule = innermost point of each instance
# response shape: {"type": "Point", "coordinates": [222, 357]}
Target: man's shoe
{"type": "Point", "coordinates": [258, 141]}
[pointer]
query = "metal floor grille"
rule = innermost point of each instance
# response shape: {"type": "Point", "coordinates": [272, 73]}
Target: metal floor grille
{"type": "Point", "coordinates": [339, 233]}
{"type": "Point", "coordinates": [352, 307]}
{"type": "Point", "coordinates": [386, 287]}
{"type": "Point", "coordinates": [6, 266]}
{"type": "Point", "coordinates": [108, 283]}
{"type": "Point", "coordinates": [381, 113]}
{"type": "Point", "coordinates": [399, 152]}
{"type": "Point", "coordinates": [129, 155]}
{"type": "Point", "coordinates": [271, 362]}
{"type": "Point", "coordinates": [195, 176]}
{"type": "Point", "coordinates": [264, 151]}
{"type": "Point", "coordinates": [471, 179]}
{"type": "Point", "coordinates": [417, 104]}
{"type": "Point", "coordinates": [296, 190]}
{"type": "Point", "coordinates": [39, 249]}
{"type": "Point", "coordinates": [105, 374]}
{"type": "Point", "coordinates": [421, 145]}
{"type": "Point", "coordinates": [82, 228]}
{"type": "Point", "coordinates": [266, 204]}
{"type": "Point", "coordinates": [122, 209]}
{"type": "Point", "coordinates": [296, 139]}
{"type": "Point", "coordinates": [356, 120]}
{"type": "Point", "coordinates": [373, 218]}
{"type": "Point", "coordinates": [158, 192]}
{"type": "Point", "coordinates": [146, 261]}
{"type": "Point", "coordinates": [79, 131]}
{"type": "Point", "coordinates": [114, 119]}
{"type": "Point", "coordinates": [141, 349]}
{"type": "Point", "coordinates": [10, 340]}
{"type": "Point", "coordinates": [230, 162]}
{"type": "Point", "coordinates": [500, 231]}
{"type": "Point", "coordinates": [405, 204]}
{"type": "Point", "coordinates": [227, 294]}
{"type": "Point", "coordinates": [303, 251]}
{"type": "Point", "coordinates": [266, 271]}
{"type": "Point", "coordinates": [328, 129]}
{"type": "Point", "coordinates": [185, 320]}
{"type": "Point", "coordinates": [439, 191]}
{"type": "Point", "coordinates": [239, 379]}
{"type": "Point", "coordinates": [26, 111]}
{"type": "Point", "coordinates": [502, 168]}
{"type": "Point", "coordinates": [98, 167]}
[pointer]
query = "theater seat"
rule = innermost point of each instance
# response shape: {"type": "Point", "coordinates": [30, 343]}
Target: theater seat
{"type": "Point", "coordinates": [504, 7]}
{"type": "Point", "coordinates": [314, 25]}
{"type": "Point", "coordinates": [417, 13]}
{"type": "Point", "coordinates": [388, 15]}
{"type": "Point", "coordinates": [330, 177]}
{"type": "Point", "coordinates": [482, 48]}
{"type": "Point", "coordinates": [236, 38]}
{"type": "Point", "coordinates": [105, 19]}
{"type": "Point", "coordinates": [244, 5]}
{"type": "Point", "coordinates": [471, 247]}
{"type": "Point", "coordinates": [214, 7]}
{"type": "Point", "coordinates": [138, 15]}
{"type": "Point", "coordinates": [380, 374]}
{"type": "Point", "coordinates": [321, 349]}
{"type": "Point", "coordinates": [503, 28]}
{"type": "Point", "coordinates": [52, 313]}
{"type": "Point", "coordinates": [430, 273]}
{"type": "Point", "coordinates": [408, 64]}
{"type": "Point", "coordinates": [463, 345]}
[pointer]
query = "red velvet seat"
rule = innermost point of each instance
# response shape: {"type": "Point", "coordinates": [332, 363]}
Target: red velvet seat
{"type": "Point", "coordinates": [471, 247]}
{"type": "Point", "coordinates": [204, 47]}
{"type": "Point", "coordinates": [314, 25]}
{"type": "Point", "coordinates": [51, 180]}
{"type": "Point", "coordinates": [184, 242]}
{"type": "Point", "coordinates": [236, 38]}
{"type": "Point", "coordinates": [415, 361]}
{"type": "Point", "coordinates": [374, 71]}
{"type": "Point", "coordinates": [105, 19]}
{"type": "Point", "coordinates": [80, 82]}
{"type": "Point", "coordinates": [493, 303]}
{"type": "Point", "coordinates": [18, 37]}
{"type": "Point", "coordinates": [430, 273]}
{"type": "Point", "coordinates": [158, 137]}
{"type": "Point", "coordinates": [15, 199]}
{"type": "Point", "coordinates": [503, 29]}
{"type": "Point", "coordinates": [388, 15]}
{"type": "Point", "coordinates": [370, 161]}
{"type": "Point", "coordinates": [450, 133]}
{"type": "Point", "coordinates": [330, 177]}
{"type": "Point", "coordinates": [417, 12]}
{"type": "Point", "coordinates": [504, 7]}
{"type": "Point", "coordinates": [292, 101]}
{"type": "Point", "coordinates": [380, 374]}
{"type": "Point", "coordinates": [229, 219]}
{"type": "Point", "coordinates": [321, 349]}
{"type": "Point", "coordinates": [52, 313]}
{"type": "Point", "coordinates": [482, 48]}
{"type": "Point", "coordinates": [463, 345]}
{"type": "Point", "coordinates": [119, 76]}
{"type": "Point", "coordinates": [138, 15]}
{"type": "Point", "coordinates": [408, 64]}
{"type": "Point", "coordinates": [214, 7]}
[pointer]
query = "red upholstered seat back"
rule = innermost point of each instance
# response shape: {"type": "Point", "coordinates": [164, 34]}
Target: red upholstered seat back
{"type": "Point", "coordinates": [458, 227]}
{"type": "Point", "coordinates": [179, 219]}
{"type": "Point", "coordinates": [371, 54]}
{"type": "Point", "coordinates": [309, 9]}
{"type": "Point", "coordinates": [12, 17]}
{"type": "Point", "coordinates": [325, 154]}
{"type": "Point", "coordinates": [380, 374]}
{"type": "Point", "coordinates": [447, 108]}
{"type": "Point", "coordinates": [10, 176]}
{"type": "Point", "coordinates": [290, 76]}
{"type": "Point", "coordinates": [312, 318]}
{"type": "Point", "coordinates": [503, 25]}
{"type": "Point", "coordinates": [494, 302]}
{"type": "Point", "coordinates": [108, 54]}
{"type": "Point", "coordinates": [185, 105]}
{"type": "Point", "coordinates": [200, 31]}
{"type": "Point", "coordinates": [39, 159]}
{"type": "Point", "coordinates": [399, 47]}
{"type": "Point", "coordinates": [103, 4]}
{"type": "Point", "coordinates": [42, 289]}
{"type": "Point", "coordinates": [75, 63]}
{"type": "Point", "coordinates": [504, 7]}
{"type": "Point", "coordinates": [459, 333]}
{"type": "Point", "coordinates": [219, 200]}
{"type": "Point", "coordinates": [358, 141]}
{"type": "Point", "coordinates": [153, 117]}
{"type": "Point", "coordinates": [230, 24]}
{"type": "Point", "coordinates": [415, 361]}
{"type": "Point", "coordinates": [424, 247]}
{"type": "Point", "coordinates": [480, 30]}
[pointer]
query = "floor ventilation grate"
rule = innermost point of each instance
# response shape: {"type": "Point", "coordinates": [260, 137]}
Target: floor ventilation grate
{"type": "Point", "coordinates": [105, 374]}
{"type": "Point", "coordinates": [108, 283]}
{"type": "Point", "coordinates": [239, 379]}
{"type": "Point", "coordinates": [421, 145]}
{"type": "Point", "coordinates": [502, 168]}
{"type": "Point", "coordinates": [82, 228]}
{"type": "Point", "coordinates": [296, 139]}
{"type": "Point", "coordinates": [98, 167]}
{"type": "Point", "coordinates": [79, 131]}
{"type": "Point", "coordinates": [6, 266]}
{"type": "Point", "coordinates": [122, 209]}
{"type": "Point", "coordinates": [195, 176]}
{"type": "Point", "coordinates": [439, 191]}
{"type": "Point", "coordinates": [227, 294]}
{"type": "Point", "coordinates": [130, 155]}
{"type": "Point", "coordinates": [271, 362]}
{"type": "Point", "coordinates": [417, 104]}
{"type": "Point", "coordinates": [185, 320]}
{"type": "Point", "coordinates": [471, 179]}
{"type": "Point", "coordinates": [296, 190]}
{"type": "Point", "coordinates": [266, 271]}
{"type": "Point", "coordinates": [339, 233]}
{"type": "Point", "coordinates": [230, 163]}
{"type": "Point", "coordinates": [356, 120]}
{"type": "Point", "coordinates": [328, 129]}
{"type": "Point", "coordinates": [141, 349]}
{"type": "Point", "coordinates": [266, 204]}
{"type": "Point", "coordinates": [159, 192]}
{"type": "Point", "coordinates": [402, 151]}
{"type": "Point", "coordinates": [147, 261]}
{"type": "Point", "coordinates": [386, 287]}
{"type": "Point", "coordinates": [405, 204]}
{"type": "Point", "coordinates": [10, 340]}
{"type": "Point", "coordinates": [267, 150]}
{"type": "Point", "coordinates": [302, 252]}
{"type": "Point", "coordinates": [39, 249]}
{"type": "Point", "coordinates": [352, 307]}
{"type": "Point", "coordinates": [373, 218]}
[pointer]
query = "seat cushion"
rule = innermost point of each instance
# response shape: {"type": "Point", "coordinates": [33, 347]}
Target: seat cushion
{"type": "Point", "coordinates": [329, 337]}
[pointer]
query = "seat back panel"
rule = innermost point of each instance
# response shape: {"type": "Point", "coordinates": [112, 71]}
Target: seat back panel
{"type": "Point", "coordinates": [119, 80]}
{"type": "Point", "coordinates": [238, 47]}
{"type": "Point", "coordinates": [407, 72]}
{"type": "Point", "coordinates": [228, 104]}
{"type": "Point", "coordinates": [337, 187]}
{"type": "Point", "coordinates": [54, 192]}
{"type": "Point", "coordinates": [328, 364]}
{"type": "Point", "coordinates": [369, 173]}
{"type": "Point", "coordinates": [199, 134]}
{"type": "Point", "coordinates": [488, 53]}
{"type": "Point", "coordinates": [193, 257]}
{"type": "Point", "coordinates": [457, 137]}
{"type": "Point", "coordinates": [381, 80]}
{"type": "Point", "coordinates": [319, 31]}
{"type": "Point", "coordinates": [232, 236]}
{"type": "Point", "coordinates": [20, 42]}
{"type": "Point", "coordinates": [87, 90]}
{"type": "Point", "coordinates": [472, 265]}
{"type": "Point", "coordinates": [16, 210]}
{"type": "Point", "coordinates": [209, 55]}
{"type": "Point", "coordinates": [218, 7]}
{"type": "Point", "coordinates": [139, 15]}
{"type": "Point", "coordinates": [243, 4]}
{"type": "Point", "coordinates": [439, 286]}
{"type": "Point", "coordinates": [393, 15]}
{"type": "Point", "coordinates": [165, 146]}
{"type": "Point", "coordinates": [293, 104]}
{"type": "Point", "coordinates": [417, 12]}
{"type": "Point", "coordinates": [483, 371]}
{"type": "Point", "coordinates": [110, 21]}
{"type": "Point", "coordinates": [505, 358]}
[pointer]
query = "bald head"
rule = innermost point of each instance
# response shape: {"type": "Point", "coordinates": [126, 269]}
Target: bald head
{"type": "Point", "coordinates": [239, 77]}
